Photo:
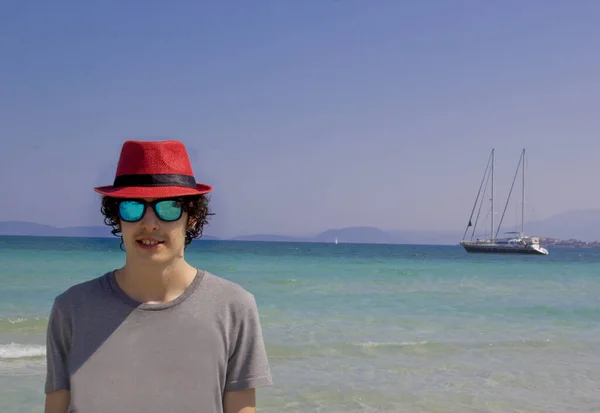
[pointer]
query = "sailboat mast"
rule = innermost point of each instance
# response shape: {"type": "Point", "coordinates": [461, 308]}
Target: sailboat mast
{"type": "Point", "coordinates": [492, 200]}
{"type": "Point", "coordinates": [523, 199]}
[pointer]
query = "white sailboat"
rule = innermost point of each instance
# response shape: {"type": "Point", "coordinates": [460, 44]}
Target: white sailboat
{"type": "Point", "coordinates": [516, 242]}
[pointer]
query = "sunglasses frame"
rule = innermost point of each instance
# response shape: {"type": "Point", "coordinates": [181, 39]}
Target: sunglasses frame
{"type": "Point", "coordinates": [152, 205]}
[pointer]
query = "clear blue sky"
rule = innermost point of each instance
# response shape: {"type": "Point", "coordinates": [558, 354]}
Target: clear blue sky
{"type": "Point", "coordinates": [304, 115]}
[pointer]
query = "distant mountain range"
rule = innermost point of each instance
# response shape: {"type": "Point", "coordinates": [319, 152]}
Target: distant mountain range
{"type": "Point", "coordinates": [582, 225]}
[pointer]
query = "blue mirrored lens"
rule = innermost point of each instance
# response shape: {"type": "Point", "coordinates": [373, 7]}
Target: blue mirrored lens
{"type": "Point", "coordinates": [168, 210]}
{"type": "Point", "coordinates": [131, 210]}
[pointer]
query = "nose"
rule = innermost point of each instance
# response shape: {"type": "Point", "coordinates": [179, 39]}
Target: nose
{"type": "Point", "coordinates": [149, 220]}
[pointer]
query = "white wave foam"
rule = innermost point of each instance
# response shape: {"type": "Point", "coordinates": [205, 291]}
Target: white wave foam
{"type": "Point", "coordinates": [393, 344]}
{"type": "Point", "coordinates": [18, 351]}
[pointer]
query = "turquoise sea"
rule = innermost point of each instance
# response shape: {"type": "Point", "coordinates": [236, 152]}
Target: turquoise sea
{"type": "Point", "coordinates": [358, 328]}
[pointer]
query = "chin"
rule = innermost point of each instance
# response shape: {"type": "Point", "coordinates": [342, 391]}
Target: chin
{"type": "Point", "coordinates": [154, 258]}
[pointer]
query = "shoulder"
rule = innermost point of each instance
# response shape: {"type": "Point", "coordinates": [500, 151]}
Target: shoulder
{"type": "Point", "coordinates": [80, 293]}
{"type": "Point", "coordinates": [226, 290]}
{"type": "Point", "coordinates": [228, 294]}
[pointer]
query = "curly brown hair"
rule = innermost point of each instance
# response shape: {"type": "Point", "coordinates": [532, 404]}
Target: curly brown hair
{"type": "Point", "coordinates": [197, 207]}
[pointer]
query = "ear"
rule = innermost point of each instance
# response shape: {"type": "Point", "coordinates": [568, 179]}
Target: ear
{"type": "Point", "coordinates": [192, 222]}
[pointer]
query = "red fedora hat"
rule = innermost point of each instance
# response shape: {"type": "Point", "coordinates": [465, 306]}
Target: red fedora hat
{"type": "Point", "coordinates": [153, 170]}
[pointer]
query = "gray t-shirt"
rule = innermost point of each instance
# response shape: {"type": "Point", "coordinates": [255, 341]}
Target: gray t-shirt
{"type": "Point", "coordinates": [118, 355]}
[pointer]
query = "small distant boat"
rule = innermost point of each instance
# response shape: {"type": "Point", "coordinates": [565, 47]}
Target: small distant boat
{"type": "Point", "coordinates": [336, 240]}
{"type": "Point", "coordinates": [515, 242]}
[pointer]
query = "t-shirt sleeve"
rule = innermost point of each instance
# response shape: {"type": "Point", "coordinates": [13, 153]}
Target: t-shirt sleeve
{"type": "Point", "coordinates": [248, 366]}
{"type": "Point", "coordinates": [58, 344]}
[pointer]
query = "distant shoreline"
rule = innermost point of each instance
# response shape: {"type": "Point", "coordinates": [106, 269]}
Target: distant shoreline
{"type": "Point", "coordinates": [571, 243]}
{"type": "Point", "coordinates": [349, 235]}
{"type": "Point", "coordinates": [546, 242]}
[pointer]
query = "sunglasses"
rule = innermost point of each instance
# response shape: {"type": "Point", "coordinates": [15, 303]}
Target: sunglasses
{"type": "Point", "coordinates": [132, 210]}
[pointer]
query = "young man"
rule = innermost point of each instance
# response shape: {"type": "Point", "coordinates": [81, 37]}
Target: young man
{"type": "Point", "coordinates": [157, 335]}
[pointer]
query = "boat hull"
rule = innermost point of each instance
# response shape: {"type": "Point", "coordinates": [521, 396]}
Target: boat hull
{"type": "Point", "coordinates": [504, 249]}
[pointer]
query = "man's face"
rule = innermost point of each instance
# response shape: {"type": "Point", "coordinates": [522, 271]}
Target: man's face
{"type": "Point", "coordinates": [151, 238]}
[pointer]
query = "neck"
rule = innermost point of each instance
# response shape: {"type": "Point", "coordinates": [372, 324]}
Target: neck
{"type": "Point", "coordinates": [153, 283]}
